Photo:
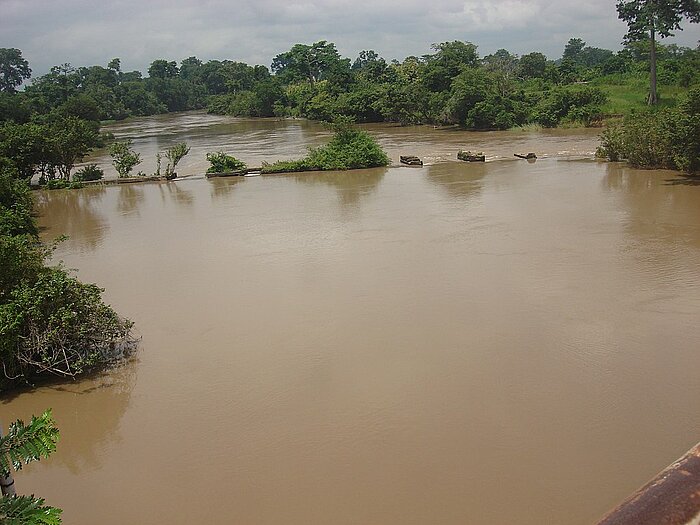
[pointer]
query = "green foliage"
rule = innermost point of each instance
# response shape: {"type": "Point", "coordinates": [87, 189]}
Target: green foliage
{"type": "Point", "coordinates": [532, 65]}
{"type": "Point", "coordinates": [15, 206]}
{"type": "Point", "coordinates": [56, 184]}
{"type": "Point", "coordinates": [288, 166]}
{"type": "Point", "coordinates": [660, 138]}
{"type": "Point", "coordinates": [174, 154]}
{"type": "Point", "coordinates": [163, 69]}
{"type": "Point", "coordinates": [663, 16]}
{"type": "Point", "coordinates": [21, 261]}
{"type": "Point", "coordinates": [89, 173]}
{"type": "Point", "coordinates": [14, 69]}
{"type": "Point", "coordinates": [449, 60]}
{"type": "Point", "coordinates": [71, 140]}
{"type": "Point", "coordinates": [571, 104]}
{"type": "Point", "coordinates": [649, 19]}
{"type": "Point", "coordinates": [314, 81]}
{"type": "Point", "coordinates": [58, 325]}
{"type": "Point", "coordinates": [27, 510]}
{"type": "Point", "coordinates": [310, 63]}
{"type": "Point", "coordinates": [124, 158]}
{"type": "Point", "coordinates": [221, 162]}
{"type": "Point", "coordinates": [14, 107]}
{"type": "Point", "coordinates": [50, 323]}
{"type": "Point", "coordinates": [24, 444]}
{"type": "Point", "coordinates": [479, 101]}
{"type": "Point", "coordinates": [350, 148]}
{"type": "Point", "coordinates": [26, 146]}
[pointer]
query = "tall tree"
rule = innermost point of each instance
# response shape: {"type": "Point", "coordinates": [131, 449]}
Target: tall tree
{"type": "Point", "coordinates": [13, 69]}
{"type": "Point", "coordinates": [573, 49]}
{"type": "Point", "coordinates": [306, 62]}
{"type": "Point", "coordinates": [654, 19]}
{"type": "Point", "coordinates": [163, 69]}
{"type": "Point", "coordinates": [533, 65]}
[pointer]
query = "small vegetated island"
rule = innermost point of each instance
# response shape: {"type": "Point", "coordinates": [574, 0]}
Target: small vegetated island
{"type": "Point", "coordinates": [350, 148]}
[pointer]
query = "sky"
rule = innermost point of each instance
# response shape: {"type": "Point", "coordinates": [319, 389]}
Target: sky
{"type": "Point", "coordinates": [92, 32]}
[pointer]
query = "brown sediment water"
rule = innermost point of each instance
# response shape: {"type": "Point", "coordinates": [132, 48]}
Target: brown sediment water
{"type": "Point", "coordinates": [506, 342]}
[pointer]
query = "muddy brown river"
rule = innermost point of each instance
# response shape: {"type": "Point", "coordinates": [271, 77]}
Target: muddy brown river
{"type": "Point", "coordinates": [506, 342]}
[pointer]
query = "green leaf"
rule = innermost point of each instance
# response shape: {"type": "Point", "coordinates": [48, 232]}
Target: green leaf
{"type": "Point", "coordinates": [26, 443]}
{"type": "Point", "coordinates": [27, 510]}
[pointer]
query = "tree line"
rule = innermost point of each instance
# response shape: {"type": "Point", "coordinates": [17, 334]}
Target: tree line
{"type": "Point", "coordinates": [450, 85]}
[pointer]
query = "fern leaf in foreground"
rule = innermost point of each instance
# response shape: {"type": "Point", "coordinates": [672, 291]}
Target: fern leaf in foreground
{"type": "Point", "coordinates": [26, 443]}
{"type": "Point", "coordinates": [27, 510]}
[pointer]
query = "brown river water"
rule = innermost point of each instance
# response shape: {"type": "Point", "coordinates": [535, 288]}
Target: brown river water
{"type": "Point", "coordinates": [506, 342]}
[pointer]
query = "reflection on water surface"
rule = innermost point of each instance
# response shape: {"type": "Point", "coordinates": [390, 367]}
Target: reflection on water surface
{"type": "Point", "coordinates": [394, 346]}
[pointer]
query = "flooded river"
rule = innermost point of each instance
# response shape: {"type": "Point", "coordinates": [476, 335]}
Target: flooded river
{"type": "Point", "coordinates": [507, 342]}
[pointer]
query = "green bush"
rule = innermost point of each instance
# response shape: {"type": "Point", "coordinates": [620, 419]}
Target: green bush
{"type": "Point", "coordinates": [580, 104]}
{"type": "Point", "coordinates": [50, 323]}
{"type": "Point", "coordinates": [221, 162]}
{"type": "Point", "coordinates": [288, 166]}
{"type": "Point", "coordinates": [658, 138]}
{"type": "Point", "coordinates": [124, 158]}
{"type": "Point", "coordinates": [88, 173]}
{"type": "Point", "coordinates": [56, 184]}
{"type": "Point", "coordinates": [15, 206]}
{"type": "Point", "coordinates": [174, 154]}
{"type": "Point", "coordinates": [58, 325]}
{"type": "Point", "coordinates": [350, 148]}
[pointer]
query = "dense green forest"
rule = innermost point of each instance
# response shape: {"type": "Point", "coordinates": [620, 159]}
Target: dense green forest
{"type": "Point", "coordinates": [450, 85]}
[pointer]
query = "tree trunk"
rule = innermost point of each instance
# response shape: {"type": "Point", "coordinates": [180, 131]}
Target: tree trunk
{"type": "Point", "coordinates": [653, 98]}
{"type": "Point", "coordinates": [7, 484]}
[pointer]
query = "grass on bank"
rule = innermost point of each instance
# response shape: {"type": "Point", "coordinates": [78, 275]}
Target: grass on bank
{"type": "Point", "coordinates": [627, 93]}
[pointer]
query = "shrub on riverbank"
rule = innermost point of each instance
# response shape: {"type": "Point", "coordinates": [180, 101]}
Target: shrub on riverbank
{"type": "Point", "coordinates": [50, 322]}
{"type": "Point", "coordinates": [658, 138]}
{"type": "Point", "coordinates": [350, 148]}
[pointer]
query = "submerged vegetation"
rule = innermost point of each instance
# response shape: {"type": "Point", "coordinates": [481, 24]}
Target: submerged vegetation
{"type": "Point", "coordinates": [51, 324]}
{"type": "Point", "coordinates": [222, 163]}
{"type": "Point", "coordinates": [175, 154]}
{"type": "Point", "coordinates": [124, 158]}
{"type": "Point", "coordinates": [350, 148]}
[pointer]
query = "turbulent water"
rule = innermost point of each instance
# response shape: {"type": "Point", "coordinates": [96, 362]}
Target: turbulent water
{"type": "Point", "coordinates": [506, 342]}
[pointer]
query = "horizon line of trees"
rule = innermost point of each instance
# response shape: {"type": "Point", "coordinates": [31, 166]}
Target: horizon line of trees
{"type": "Point", "coordinates": [451, 85]}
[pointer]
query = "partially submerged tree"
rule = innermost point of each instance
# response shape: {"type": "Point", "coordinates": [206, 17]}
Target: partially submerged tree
{"type": "Point", "coordinates": [652, 19]}
{"type": "Point", "coordinates": [123, 157]}
{"type": "Point", "coordinates": [51, 324]}
{"type": "Point", "coordinates": [174, 154]}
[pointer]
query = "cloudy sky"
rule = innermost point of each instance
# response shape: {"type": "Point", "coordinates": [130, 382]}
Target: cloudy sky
{"type": "Point", "coordinates": [88, 32]}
